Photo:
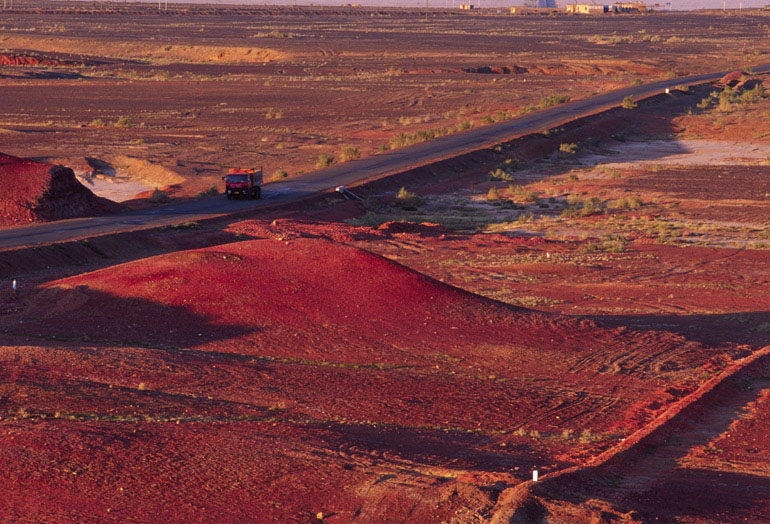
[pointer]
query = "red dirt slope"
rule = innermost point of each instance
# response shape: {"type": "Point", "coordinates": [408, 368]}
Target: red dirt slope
{"type": "Point", "coordinates": [34, 191]}
{"type": "Point", "coordinates": [315, 300]}
{"type": "Point", "coordinates": [313, 378]}
{"type": "Point", "coordinates": [301, 298]}
{"type": "Point", "coordinates": [19, 60]}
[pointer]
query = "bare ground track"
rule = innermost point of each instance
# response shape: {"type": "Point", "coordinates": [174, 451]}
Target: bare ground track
{"type": "Point", "coordinates": [347, 174]}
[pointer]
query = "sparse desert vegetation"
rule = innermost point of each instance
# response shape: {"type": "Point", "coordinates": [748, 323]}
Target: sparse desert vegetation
{"type": "Point", "coordinates": [588, 301]}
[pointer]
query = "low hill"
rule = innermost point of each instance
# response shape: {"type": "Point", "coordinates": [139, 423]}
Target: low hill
{"type": "Point", "coordinates": [225, 380]}
{"type": "Point", "coordinates": [36, 192]}
{"type": "Point", "coordinates": [319, 301]}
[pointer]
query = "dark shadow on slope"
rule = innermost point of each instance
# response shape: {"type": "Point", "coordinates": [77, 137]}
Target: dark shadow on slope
{"type": "Point", "coordinates": [437, 447]}
{"type": "Point", "coordinates": [699, 494]}
{"type": "Point", "coordinates": [715, 330]}
{"type": "Point", "coordinates": [84, 314]}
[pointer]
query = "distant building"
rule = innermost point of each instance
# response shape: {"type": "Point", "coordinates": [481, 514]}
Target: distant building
{"type": "Point", "coordinates": [536, 10]}
{"type": "Point", "coordinates": [467, 7]}
{"type": "Point", "coordinates": [586, 9]}
{"type": "Point", "coordinates": [629, 7]}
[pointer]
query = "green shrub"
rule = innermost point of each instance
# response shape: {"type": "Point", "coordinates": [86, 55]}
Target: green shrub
{"type": "Point", "coordinates": [705, 103]}
{"type": "Point", "coordinates": [124, 122]}
{"type": "Point", "coordinates": [568, 149]}
{"type": "Point", "coordinates": [324, 160]}
{"type": "Point", "coordinates": [350, 153]}
{"type": "Point", "coordinates": [159, 197]}
{"type": "Point", "coordinates": [633, 202]}
{"type": "Point", "coordinates": [493, 195]}
{"type": "Point", "coordinates": [185, 225]}
{"type": "Point", "coordinates": [521, 194]}
{"type": "Point", "coordinates": [501, 174]}
{"type": "Point", "coordinates": [97, 122]}
{"type": "Point", "coordinates": [753, 95]}
{"type": "Point", "coordinates": [553, 100]}
{"type": "Point", "coordinates": [608, 244]}
{"type": "Point", "coordinates": [629, 102]}
{"type": "Point", "coordinates": [210, 192]}
{"type": "Point", "coordinates": [591, 206]}
{"type": "Point", "coordinates": [406, 197]}
{"type": "Point", "coordinates": [273, 114]}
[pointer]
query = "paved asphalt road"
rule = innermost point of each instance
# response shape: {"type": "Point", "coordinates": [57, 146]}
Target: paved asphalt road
{"type": "Point", "coordinates": [344, 174]}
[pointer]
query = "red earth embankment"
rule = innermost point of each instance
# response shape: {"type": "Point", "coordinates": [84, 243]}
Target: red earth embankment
{"type": "Point", "coordinates": [36, 192]}
{"type": "Point", "coordinates": [29, 61]}
{"type": "Point", "coordinates": [316, 300]}
{"type": "Point", "coordinates": [227, 379]}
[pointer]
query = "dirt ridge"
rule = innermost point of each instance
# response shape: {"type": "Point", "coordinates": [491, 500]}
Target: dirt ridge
{"type": "Point", "coordinates": [520, 503]}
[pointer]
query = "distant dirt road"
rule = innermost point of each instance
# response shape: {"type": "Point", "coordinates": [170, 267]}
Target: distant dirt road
{"type": "Point", "coordinates": [344, 174]}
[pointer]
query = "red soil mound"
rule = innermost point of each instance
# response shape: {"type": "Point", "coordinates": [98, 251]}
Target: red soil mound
{"type": "Point", "coordinates": [34, 191]}
{"type": "Point", "coordinates": [731, 78]}
{"type": "Point", "coordinates": [31, 61]}
{"type": "Point", "coordinates": [311, 298]}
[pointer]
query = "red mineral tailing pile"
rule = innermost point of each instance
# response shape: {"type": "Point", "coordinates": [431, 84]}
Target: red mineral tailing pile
{"type": "Point", "coordinates": [307, 298]}
{"type": "Point", "coordinates": [17, 60]}
{"type": "Point", "coordinates": [34, 192]}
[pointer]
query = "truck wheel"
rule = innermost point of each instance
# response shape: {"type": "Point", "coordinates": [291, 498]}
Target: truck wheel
{"type": "Point", "coordinates": [258, 193]}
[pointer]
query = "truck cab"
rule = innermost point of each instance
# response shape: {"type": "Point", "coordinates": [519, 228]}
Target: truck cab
{"type": "Point", "coordinates": [243, 182]}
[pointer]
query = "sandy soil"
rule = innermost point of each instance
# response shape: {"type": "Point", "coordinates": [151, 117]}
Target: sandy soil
{"type": "Point", "coordinates": [117, 190]}
{"type": "Point", "coordinates": [684, 152]}
{"type": "Point", "coordinates": [201, 90]}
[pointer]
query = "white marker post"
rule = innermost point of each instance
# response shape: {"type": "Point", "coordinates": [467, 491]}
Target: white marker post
{"type": "Point", "coordinates": [534, 476]}
{"type": "Point", "coordinates": [13, 285]}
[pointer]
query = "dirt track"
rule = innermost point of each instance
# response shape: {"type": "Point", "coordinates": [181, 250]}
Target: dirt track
{"type": "Point", "coordinates": [347, 174]}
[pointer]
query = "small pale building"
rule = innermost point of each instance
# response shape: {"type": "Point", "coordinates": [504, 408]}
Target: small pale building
{"type": "Point", "coordinates": [466, 7]}
{"type": "Point", "coordinates": [629, 7]}
{"type": "Point", "coordinates": [586, 9]}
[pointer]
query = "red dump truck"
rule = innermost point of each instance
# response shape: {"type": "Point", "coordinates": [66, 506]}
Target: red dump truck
{"type": "Point", "coordinates": [243, 182]}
